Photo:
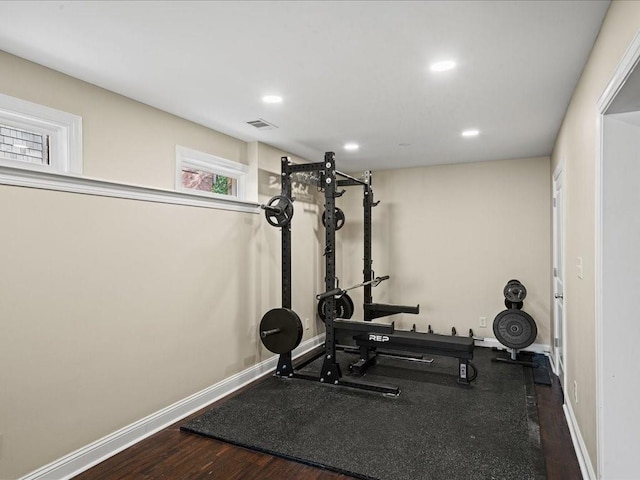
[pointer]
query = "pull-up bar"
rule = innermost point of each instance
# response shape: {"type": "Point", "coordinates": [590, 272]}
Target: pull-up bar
{"type": "Point", "coordinates": [353, 179]}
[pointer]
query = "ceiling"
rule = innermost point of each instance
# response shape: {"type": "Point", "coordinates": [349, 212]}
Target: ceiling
{"type": "Point", "coordinates": [348, 71]}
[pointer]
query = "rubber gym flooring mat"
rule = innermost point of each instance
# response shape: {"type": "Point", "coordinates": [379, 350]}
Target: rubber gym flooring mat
{"type": "Point", "coordinates": [434, 430]}
{"type": "Point", "coordinates": [542, 374]}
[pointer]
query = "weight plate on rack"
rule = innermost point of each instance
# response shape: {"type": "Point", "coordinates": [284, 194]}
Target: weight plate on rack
{"type": "Point", "coordinates": [283, 213]}
{"type": "Point", "coordinates": [515, 292]}
{"type": "Point", "coordinates": [290, 330]}
{"type": "Point", "coordinates": [350, 308]}
{"type": "Point", "coordinates": [515, 329]}
{"type": "Point", "coordinates": [344, 307]}
{"type": "Point", "coordinates": [339, 218]}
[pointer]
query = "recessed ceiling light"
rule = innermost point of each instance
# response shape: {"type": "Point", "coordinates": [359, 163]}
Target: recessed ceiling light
{"type": "Point", "coordinates": [471, 133]}
{"type": "Point", "coordinates": [443, 66]}
{"type": "Point", "coordinates": [351, 146]}
{"type": "Point", "coordinates": [272, 99]}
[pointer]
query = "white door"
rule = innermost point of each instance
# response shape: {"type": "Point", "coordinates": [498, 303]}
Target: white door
{"type": "Point", "coordinates": [558, 272]}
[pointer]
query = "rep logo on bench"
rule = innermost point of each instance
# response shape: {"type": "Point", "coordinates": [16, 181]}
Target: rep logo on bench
{"type": "Point", "coordinates": [378, 338]}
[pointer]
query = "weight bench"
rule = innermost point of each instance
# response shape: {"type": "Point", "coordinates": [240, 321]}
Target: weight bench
{"type": "Point", "coordinates": [423, 343]}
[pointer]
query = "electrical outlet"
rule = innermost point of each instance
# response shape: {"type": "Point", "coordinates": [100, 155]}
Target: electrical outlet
{"type": "Point", "coordinates": [306, 323]}
{"type": "Point", "coordinates": [575, 391]}
{"type": "Point", "coordinates": [483, 321]}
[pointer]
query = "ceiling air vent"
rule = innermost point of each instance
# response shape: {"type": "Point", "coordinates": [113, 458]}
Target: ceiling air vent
{"type": "Point", "coordinates": [262, 124]}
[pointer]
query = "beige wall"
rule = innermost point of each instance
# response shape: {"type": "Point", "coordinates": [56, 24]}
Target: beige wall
{"type": "Point", "coordinates": [451, 237]}
{"type": "Point", "coordinates": [113, 309]}
{"type": "Point", "coordinates": [123, 140]}
{"type": "Point", "coordinates": [576, 146]}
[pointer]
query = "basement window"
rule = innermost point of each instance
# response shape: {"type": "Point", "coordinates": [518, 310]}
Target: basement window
{"type": "Point", "coordinates": [24, 145]}
{"type": "Point", "coordinates": [36, 137]}
{"type": "Point", "coordinates": [200, 173]}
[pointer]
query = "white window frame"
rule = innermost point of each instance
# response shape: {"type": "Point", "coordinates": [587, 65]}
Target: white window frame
{"type": "Point", "coordinates": [65, 171]}
{"type": "Point", "coordinates": [64, 130]}
{"type": "Point", "coordinates": [189, 158]}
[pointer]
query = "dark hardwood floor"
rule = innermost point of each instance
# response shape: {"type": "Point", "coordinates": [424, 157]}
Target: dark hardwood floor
{"type": "Point", "coordinates": [559, 454]}
{"type": "Point", "coordinates": [172, 454]}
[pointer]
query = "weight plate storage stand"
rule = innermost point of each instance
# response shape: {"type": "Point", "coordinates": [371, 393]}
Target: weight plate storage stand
{"type": "Point", "coordinates": [281, 216]}
{"type": "Point", "coordinates": [513, 327]}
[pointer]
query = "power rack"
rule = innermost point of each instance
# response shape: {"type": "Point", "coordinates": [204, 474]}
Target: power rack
{"type": "Point", "coordinates": [330, 372]}
{"type": "Point", "coordinates": [281, 328]}
{"type": "Point", "coordinates": [372, 310]}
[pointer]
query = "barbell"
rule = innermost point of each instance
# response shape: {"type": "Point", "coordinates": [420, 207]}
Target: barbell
{"type": "Point", "coordinates": [338, 292]}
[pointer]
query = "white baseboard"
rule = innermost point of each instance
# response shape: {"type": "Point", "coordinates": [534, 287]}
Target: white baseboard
{"type": "Point", "coordinates": [586, 466]}
{"type": "Point", "coordinates": [492, 342]}
{"type": "Point", "coordinates": [98, 451]}
{"type": "Point", "coordinates": [552, 362]}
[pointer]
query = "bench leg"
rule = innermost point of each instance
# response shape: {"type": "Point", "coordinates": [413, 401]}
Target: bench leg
{"type": "Point", "coordinates": [463, 371]}
{"type": "Point", "coordinates": [365, 361]}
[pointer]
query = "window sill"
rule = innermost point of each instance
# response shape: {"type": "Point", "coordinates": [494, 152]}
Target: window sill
{"type": "Point", "coordinates": [88, 186]}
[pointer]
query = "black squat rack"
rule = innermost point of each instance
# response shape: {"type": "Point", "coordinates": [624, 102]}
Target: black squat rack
{"type": "Point", "coordinates": [281, 329]}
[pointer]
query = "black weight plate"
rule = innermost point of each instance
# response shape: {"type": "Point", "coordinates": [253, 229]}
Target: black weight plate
{"type": "Point", "coordinates": [283, 218]}
{"type": "Point", "coordinates": [321, 308]}
{"type": "Point", "coordinates": [324, 218]}
{"type": "Point", "coordinates": [344, 307]}
{"type": "Point", "coordinates": [515, 292]}
{"type": "Point", "coordinates": [517, 305]}
{"type": "Point", "coordinates": [339, 218]}
{"type": "Point", "coordinates": [290, 327]}
{"type": "Point", "coordinates": [515, 329]}
{"type": "Point", "coordinates": [349, 311]}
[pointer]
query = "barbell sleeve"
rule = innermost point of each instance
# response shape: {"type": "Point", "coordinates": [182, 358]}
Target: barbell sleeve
{"type": "Point", "coordinates": [269, 208]}
{"type": "Point", "coordinates": [329, 293]}
{"type": "Point", "coordinates": [341, 291]}
{"type": "Point", "coordinates": [375, 282]}
{"type": "Point", "coordinates": [267, 333]}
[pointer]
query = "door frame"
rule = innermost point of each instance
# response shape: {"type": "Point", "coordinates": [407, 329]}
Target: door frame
{"type": "Point", "coordinates": [625, 67]}
{"type": "Point", "coordinates": [559, 177]}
